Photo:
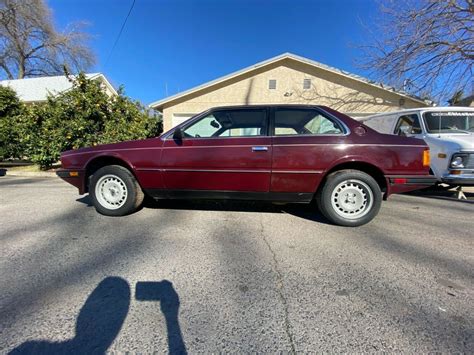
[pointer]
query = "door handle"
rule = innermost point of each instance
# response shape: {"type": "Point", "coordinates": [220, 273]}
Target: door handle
{"type": "Point", "coordinates": [259, 149]}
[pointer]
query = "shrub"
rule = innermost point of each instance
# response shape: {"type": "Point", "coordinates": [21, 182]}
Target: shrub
{"type": "Point", "coordinates": [86, 116]}
{"type": "Point", "coordinates": [16, 126]}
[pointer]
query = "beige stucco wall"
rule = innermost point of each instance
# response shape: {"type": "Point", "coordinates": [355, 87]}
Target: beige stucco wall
{"type": "Point", "coordinates": [330, 89]}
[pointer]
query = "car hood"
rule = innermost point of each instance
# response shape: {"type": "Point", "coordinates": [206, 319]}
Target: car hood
{"type": "Point", "coordinates": [452, 141]}
{"type": "Point", "coordinates": [143, 143]}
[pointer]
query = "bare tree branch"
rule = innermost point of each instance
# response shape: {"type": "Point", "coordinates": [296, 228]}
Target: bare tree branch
{"type": "Point", "coordinates": [31, 46]}
{"type": "Point", "coordinates": [425, 47]}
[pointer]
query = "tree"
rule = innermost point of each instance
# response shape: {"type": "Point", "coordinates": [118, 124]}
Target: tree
{"type": "Point", "coordinates": [16, 126]}
{"type": "Point", "coordinates": [86, 116]}
{"type": "Point", "coordinates": [425, 47]}
{"type": "Point", "coordinates": [31, 46]}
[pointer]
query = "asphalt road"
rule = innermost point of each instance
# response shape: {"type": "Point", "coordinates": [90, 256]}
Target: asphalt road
{"type": "Point", "coordinates": [231, 277]}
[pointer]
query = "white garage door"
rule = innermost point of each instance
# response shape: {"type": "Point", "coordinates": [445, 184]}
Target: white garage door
{"type": "Point", "coordinates": [180, 118]}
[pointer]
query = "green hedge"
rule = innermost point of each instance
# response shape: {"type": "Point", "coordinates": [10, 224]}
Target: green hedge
{"type": "Point", "coordinates": [81, 117]}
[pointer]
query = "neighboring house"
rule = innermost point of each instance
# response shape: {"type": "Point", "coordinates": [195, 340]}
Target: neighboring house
{"type": "Point", "coordinates": [468, 101]}
{"type": "Point", "coordinates": [287, 79]}
{"type": "Point", "coordinates": [33, 90]}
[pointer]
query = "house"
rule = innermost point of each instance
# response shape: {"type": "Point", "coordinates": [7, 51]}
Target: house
{"type": "Point", "coordinates": [287, 79]}
{"type": "Point", "coordinates": [468, 101]}
{"type": "Point", "coordinates": [34, 90]}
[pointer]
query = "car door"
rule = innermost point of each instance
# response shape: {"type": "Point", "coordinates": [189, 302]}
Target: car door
{"type": "Point", "coordinates": [224, 150]}
{"type": "Point", "coordinates": [303, 147]}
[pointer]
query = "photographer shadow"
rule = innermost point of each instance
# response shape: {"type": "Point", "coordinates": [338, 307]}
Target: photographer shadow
{"type": "Point", "coordinates": [98, 323]}
{"type": "Point", "coordinates": [165, 293]}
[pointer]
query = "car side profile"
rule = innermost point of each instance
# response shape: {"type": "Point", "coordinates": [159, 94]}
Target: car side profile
{"type": "Point", "coordinates": [279, 153]}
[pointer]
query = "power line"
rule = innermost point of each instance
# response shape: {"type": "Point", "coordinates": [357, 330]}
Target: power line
{"type": "Point", "coordinates": [120, 33]}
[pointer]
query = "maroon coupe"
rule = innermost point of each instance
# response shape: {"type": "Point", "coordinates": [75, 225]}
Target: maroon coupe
{"type": "Point", "coordinates": [274, 153]}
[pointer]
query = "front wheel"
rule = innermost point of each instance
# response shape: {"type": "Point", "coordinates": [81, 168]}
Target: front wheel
{"type": "Point", "coordinates": [115, 191]}
{"type": "Point", "coordinates": [350, 198]}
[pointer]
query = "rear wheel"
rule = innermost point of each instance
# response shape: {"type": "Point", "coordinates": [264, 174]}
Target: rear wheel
{"type": "Point", "coordinates": [350, 198]}
{"type": "Point", "coordinates": [115, 191]}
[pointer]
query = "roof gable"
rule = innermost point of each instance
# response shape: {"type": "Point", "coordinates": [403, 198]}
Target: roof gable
{"type": "Point", "coordinates": [219, 82]}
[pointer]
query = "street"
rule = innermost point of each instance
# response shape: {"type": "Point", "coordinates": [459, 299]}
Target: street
{"type": "Point", "coordinates": [237, 277]}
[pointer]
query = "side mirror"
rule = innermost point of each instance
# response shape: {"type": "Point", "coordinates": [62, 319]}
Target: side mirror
{"type": "Point", "coordinates": [178, 134]}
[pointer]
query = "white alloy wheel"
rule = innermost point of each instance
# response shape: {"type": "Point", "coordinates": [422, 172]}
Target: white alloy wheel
{"type": "Point", "coordinates": [352, 199]}
{"type": "Point", "coordinates": [111, 192]}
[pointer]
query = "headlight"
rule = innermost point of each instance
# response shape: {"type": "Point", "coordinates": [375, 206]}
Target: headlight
{"type": "Point", "coordinates": [458, 161]}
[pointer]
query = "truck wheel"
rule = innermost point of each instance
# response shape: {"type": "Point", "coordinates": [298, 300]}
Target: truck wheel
{"type": "Point", "coordinates": [115, 191]}
{"type": "Point", "coordinates": [349, 198]}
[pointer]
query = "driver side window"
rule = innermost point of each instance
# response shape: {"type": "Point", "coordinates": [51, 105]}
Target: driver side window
{"type": "Point", "coordinates": [205, 127]}
{"type": "Point", "coordinates": [229, 123]}
{"type": "Point", "coordinates": [408, 124]}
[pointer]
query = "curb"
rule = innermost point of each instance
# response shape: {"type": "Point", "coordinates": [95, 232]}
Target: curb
{"type": "Point", "coordinates": [40, 174]}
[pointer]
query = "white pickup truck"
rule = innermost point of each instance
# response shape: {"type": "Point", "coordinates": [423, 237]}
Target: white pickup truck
{"type": "Point", "coordinates": [449, 131]}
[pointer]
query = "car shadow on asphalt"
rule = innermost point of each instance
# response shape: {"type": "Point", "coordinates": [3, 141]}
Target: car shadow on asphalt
{"type": "Point", "coordinates": [22, 181]}
{"type": "Point", "coordinates": [103, 314]}
{"type": "Point", "coordinates": [85, 200]}
{"type": "Point", "coordinates": [301, 210]}
{"type": "Point", "coordinates": [443, 194]}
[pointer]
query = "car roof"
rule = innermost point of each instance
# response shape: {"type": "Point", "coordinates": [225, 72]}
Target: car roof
{"type": "Point", "coordinates": [423, 109]}
{"type": "Point", "coordinates": [264, 106]}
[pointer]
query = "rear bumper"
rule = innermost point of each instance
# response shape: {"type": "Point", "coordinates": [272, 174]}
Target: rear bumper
{"type": "Point", "coordinates": [74, 177]}
{"type": "Point", "coordinates": [405, 183]}
{"type": "Point", "coordinates": [412, 180]}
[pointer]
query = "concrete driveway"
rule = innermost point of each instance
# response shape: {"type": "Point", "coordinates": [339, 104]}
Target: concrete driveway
{"type": "Point", "coordinates": [231, 277]}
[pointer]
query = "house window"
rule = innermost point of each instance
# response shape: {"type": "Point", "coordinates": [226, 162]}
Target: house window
{"type": "Point", "coordinates": [306, 84]}
{"type": "Point", "coordinates": [272, 84]}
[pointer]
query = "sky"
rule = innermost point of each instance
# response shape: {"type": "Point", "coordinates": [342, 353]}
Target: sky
{"type": "Point", "coordinates": [168, 46]}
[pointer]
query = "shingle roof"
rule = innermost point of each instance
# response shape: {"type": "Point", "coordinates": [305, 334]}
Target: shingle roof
{"type": "Point", "coordinates": [160, 103]}
{"type": "Point", "coordinates": [37, 89]}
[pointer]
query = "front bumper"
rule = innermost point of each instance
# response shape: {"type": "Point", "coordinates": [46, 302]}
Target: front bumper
{"type": "Point", "coordinates": [463, 179]}
{"type": "Point", "coordinates": [74, 177]}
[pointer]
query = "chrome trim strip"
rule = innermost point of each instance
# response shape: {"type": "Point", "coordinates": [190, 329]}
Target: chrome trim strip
{"type": "Point", "coordinates": [300, 145]}
{"type": "Point", "coordinates": [216, 170]}
{"type": "Point", "coordinates": [349, 145]}
{"type": "Point", "coordinates": [110, 150]}
{"type": "Point", "coordinates": [297, 171]}
{"type": "Point", "coordinates": [149, 169]}
{"type": "Point", "coordinates": [218, 137]}
{"type": "Point", "coordinates": [212, 146]}
{"type": "Point", "coordinates": [233, 170]}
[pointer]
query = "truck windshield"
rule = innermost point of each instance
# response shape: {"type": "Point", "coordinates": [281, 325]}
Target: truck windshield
{"type": "Point", "coordinates": [449, 122]}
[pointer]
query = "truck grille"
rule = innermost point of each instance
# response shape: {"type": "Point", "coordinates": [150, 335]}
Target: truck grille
{"type": "Point", "coordinates": [470, 161]}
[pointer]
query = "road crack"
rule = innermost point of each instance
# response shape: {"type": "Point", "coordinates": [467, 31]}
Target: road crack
{"type": "Point", "coordinates": [284, 301]}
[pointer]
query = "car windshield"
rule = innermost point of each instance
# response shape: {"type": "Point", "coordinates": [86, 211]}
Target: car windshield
{"type": "Point", "coordinates": [449, 122]}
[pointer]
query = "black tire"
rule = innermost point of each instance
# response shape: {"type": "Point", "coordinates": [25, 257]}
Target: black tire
{"type": "Point", "coordinates": [345, 209]}
{"type": "Point", "coordinates": [123, 186]}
